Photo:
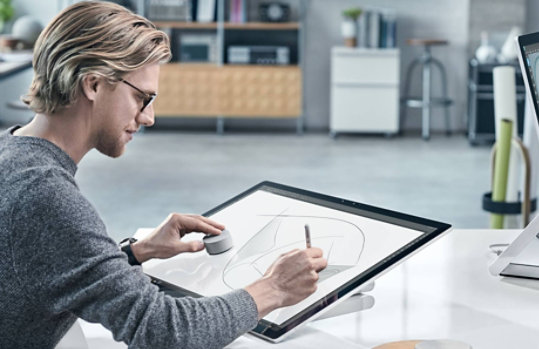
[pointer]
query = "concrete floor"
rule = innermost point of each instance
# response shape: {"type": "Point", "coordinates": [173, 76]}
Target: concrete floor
{"type": "Point", "coordinates": [173, 171]}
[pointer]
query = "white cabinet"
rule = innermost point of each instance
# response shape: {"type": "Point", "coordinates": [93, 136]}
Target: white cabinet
{"type": "Point", "coordinates": [364, 90]}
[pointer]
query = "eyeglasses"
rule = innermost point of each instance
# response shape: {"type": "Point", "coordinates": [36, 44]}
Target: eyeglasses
{"type": "Point", "coordinates": [148, 97]}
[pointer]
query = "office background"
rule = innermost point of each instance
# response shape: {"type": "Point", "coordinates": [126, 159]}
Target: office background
{"type": "Point", "coordinates": [460, 22]}
{"type": "Point", "coordinates": [184, 166]}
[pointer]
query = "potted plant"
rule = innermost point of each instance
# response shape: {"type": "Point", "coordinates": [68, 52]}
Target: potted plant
{"type": "Point", "coordinates": [349, 26]}
{"type": "Point", "coordinates": [6, 12]}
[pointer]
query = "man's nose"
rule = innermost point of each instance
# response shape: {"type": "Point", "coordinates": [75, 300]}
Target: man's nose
{"type": "Point", "coordinates": [147, 116]}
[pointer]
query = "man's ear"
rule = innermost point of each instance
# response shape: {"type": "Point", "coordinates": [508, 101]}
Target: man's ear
{"type": "Point", "coordinates": [90, 84]}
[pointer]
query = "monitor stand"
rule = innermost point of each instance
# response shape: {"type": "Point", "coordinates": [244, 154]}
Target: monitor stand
{"type": "Point", "coordinates": [357, 302]}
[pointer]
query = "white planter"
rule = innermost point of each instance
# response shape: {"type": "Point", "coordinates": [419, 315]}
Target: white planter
{"type": "Point", "coordinates": [349, 29]}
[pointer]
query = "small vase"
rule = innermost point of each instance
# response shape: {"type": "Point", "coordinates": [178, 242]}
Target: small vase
{"type": "Point", "coordinates": [508, 51]}
{"type": "Point", "coordinates": [485, 53]}
{"type": "Point", "coordinates": [350, 42]}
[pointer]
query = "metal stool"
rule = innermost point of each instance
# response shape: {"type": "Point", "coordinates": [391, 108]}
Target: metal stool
{"type": "Point", "coordinates": [425, 102]}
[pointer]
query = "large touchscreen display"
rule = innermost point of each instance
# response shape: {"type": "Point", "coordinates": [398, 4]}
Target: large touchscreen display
{"type": "Point", "coordinates": [532, 64]}
{"type": "Point", "coordinates": [264, 225]}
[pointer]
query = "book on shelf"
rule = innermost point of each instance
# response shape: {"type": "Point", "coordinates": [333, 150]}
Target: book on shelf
{"type": "Point", "coordinates": [238, 11]}
{"type": "Point", "coordinates": [374, 29]}
{"type": "Point", "coordinates": [377, 29]}
{"type": "Point", "coordinates": [362, 29]}
{"type": "Point", "coordinates": [194, 9]}
{"type": "Point", "coordinates": [206, 10]}
{"type": "Point", "coordinates": [388, 33]}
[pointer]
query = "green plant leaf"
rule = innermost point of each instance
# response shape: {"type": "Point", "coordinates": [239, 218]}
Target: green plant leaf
{"type": "Point", "coordinates": [6, 10]}
{"type": "Point", "coordinates": [352, 13]}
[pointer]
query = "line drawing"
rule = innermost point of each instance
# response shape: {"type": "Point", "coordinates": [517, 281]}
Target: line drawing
{"type": "Point", "coordinates": [342, 241]}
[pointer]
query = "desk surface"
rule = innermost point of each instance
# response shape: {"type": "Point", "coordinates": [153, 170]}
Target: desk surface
{"type": "Point", "coordinates": [443, 292]}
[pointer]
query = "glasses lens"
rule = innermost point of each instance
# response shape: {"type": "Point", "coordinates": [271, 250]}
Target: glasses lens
{"type": "Point", "coordinates": [148, 100]}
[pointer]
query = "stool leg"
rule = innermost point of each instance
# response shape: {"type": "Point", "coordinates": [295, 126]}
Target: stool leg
{"type": "Point", "coordinates": [425, 127]}
{"type": "Point", "coordinates": [407, 82]}
{"type": "Point", "coordinates": [443, 76]}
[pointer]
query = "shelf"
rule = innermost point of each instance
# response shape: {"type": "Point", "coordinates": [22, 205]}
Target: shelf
{"type": "Point", "coordinates": [185, 25]}
{"type": "Point", "coordinates": [196, 65]}
{"type": "Point", "coordinates": [265, 66]}
{"type": "Point", "coordinates": [229, 25]}
{"type": "Point", "coordinates": [263, 26]}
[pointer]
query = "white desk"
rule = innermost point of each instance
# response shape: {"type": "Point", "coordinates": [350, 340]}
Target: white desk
{"type": "Point", "coordinates": [444, 291]}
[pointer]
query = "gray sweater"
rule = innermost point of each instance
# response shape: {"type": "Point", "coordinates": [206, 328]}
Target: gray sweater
{"type": "Point", "coordinates": [57, 263]}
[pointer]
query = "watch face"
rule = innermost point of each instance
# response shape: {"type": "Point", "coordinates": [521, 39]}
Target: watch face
{"type": "Point", "coordinates": [275, 11]}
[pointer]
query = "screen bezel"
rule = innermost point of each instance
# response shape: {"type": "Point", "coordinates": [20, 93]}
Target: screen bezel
{"type": "Point", "coordinates": [522, 41]}
{"type": "Point", "coordinates": [431, 230]}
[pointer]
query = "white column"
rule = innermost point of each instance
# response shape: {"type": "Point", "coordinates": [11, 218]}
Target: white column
{"type": "Point", "coordinates": [505, 107]}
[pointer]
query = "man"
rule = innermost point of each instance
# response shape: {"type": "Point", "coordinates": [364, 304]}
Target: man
{"type": "Point", "coordinates": [96, 74]}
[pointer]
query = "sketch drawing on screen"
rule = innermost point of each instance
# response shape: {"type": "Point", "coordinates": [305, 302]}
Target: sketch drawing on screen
{"type": "Point", "coordinates": [265, 225]}
{"type": "Point", "coordinates": [342, 242]}
{"type": "Point", "coordinates": [535, 66]}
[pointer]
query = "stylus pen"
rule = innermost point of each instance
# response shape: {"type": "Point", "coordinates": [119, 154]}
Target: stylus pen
{"type": "Point", "coordinates": [307, 236]}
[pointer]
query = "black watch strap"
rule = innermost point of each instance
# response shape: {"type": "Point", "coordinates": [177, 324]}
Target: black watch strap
{"type": "Point", "coordinates": [125, 246]}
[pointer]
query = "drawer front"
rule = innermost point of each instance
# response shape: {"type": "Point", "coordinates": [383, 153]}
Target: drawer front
{"type": "Point", "coordinates": [208, 90]}
{"type": "Point", "coordinates": [365, 109]}
{"type": "Point", "coordinates": [261, 91]}
{"type": "Point", "coordinates": [188, 90]}
{"type": "Point", "coordinates": [354, 68]}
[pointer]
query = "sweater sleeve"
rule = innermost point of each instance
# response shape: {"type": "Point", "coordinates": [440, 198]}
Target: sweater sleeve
{"type": "Point", "coordinates": [67, 263]}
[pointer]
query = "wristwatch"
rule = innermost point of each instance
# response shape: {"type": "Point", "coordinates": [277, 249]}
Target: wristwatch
{"type": "Point", "coordinates": [125, 246]}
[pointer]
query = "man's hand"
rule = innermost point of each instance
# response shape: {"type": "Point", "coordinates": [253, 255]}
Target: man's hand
{"type": "Point", "coordinates": [164, 241]}
{"type": "Point", "coordinates": [289, 280]}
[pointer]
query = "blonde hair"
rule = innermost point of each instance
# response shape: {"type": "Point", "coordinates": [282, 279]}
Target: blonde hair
{"type": "Point", "coordinates": [90, 37]}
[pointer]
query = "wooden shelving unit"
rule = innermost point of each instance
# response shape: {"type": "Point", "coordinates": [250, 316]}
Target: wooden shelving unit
{"type": "Point", "coordinates": [224, 90]}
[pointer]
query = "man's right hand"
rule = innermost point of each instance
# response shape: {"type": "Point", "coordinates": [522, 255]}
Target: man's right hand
{"type": "Point", "coordinates": [289, 280]}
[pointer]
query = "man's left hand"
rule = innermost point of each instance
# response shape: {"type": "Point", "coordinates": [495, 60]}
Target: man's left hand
{"type": "Point", "coordinates": [165, 241]}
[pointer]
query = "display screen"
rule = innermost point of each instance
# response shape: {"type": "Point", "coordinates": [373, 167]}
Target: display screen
{"type": "Point", "coordinates": [531, 53]}
{"type": "Point", "coordinates": [357, 240]}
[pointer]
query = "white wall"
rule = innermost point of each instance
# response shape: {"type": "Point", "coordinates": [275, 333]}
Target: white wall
{"type": "Point", "coordinates": [42, 10]}
{"type": "Point", "coordinates": [532, 16]}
